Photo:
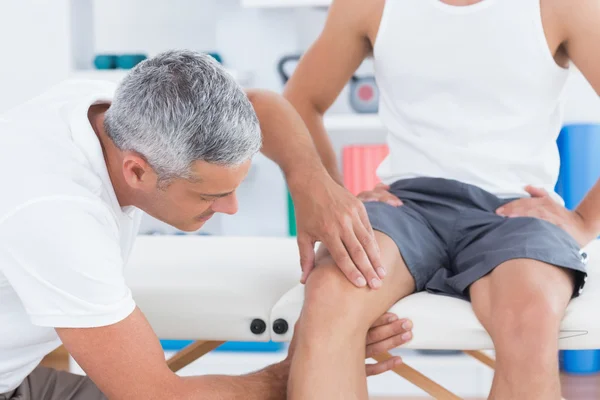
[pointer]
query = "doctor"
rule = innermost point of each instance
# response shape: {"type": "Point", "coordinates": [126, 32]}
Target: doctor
{"type": "Point", "coordinates": [78, 164]}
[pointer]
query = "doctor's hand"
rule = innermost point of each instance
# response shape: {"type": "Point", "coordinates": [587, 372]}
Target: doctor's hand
{"type": "Point", "coordinates": [541, 205]}
{"type": "Point", "coordinates": [326, 212]}
{"type": "Point", "coordinates": [387, 333]}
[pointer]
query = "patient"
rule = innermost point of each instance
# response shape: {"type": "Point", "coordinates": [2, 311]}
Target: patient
{"type": "Point", "coordinates": [471, 99]}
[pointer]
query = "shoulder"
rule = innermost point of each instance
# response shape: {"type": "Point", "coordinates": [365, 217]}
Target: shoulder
{"type": "Point", "coordinates": [565, 18]}
{"type": "Point", "coordinates": [360, 14]}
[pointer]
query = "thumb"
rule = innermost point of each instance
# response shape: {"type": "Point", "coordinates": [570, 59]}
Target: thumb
{"type": "Point", "coordinates": [307, 255]}
{"type": "Point", "coordinates": [536, 192]}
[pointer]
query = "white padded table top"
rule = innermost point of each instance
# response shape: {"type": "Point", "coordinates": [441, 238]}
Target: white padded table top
{"type": "Point", "coordinates": [441, 322]}
{"type": "Point", "coordinates": [211, 288]}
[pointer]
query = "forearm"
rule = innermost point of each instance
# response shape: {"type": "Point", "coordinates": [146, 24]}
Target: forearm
{"type": "Point", "coordinates": [267, 384]}
{"type": "Point", "coordinates": [313, 119]}
{"type": "Point", "coordinates": [285, 137]}
{"type": "Point", "coordinates": [286, 140]}
{"type": "Point", "coordinates": [589, 210]}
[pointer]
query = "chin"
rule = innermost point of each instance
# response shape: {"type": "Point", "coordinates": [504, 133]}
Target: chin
{"type": "Point", "coordinates": [193, 227]}
{"type": "Point", "coordinates": [188, 226]}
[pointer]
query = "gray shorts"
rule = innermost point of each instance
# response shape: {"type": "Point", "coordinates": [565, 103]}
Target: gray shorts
{"type": "Point", "coordinates": [49, 384]}
{"type": "Point", "coordinates": [449, 235]}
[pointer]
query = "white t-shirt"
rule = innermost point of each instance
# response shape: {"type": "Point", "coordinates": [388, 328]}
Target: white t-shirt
{"type": "Point", "coordinates": [64, 239]}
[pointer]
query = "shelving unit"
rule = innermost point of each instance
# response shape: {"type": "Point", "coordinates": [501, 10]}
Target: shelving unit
{"type": "Point", "coordinates": [284, 3]}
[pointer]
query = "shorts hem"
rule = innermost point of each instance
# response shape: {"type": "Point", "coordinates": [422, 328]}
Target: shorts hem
{"type": "Point", "coordinates": [479, 272]}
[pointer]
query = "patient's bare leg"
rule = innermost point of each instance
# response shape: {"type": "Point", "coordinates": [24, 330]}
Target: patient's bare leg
{"type": "Point", "coordinates": [521, 304]}
{"type": "Point", "coordinates": [329, 361]}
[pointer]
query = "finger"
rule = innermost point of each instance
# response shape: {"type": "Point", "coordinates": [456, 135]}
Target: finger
{"type": "Point", "coordinates": [366, 237]}
{"type": "Point", "coordinates": [386, 318]}
{"type": "Point", "coordinates": [382, 185]}
{"type": "Point", "coordinates": [536, 192]}
{"type": "Point", "coordinates": [384, 366]}
{"type": "Point", "coordinates": [344, 262]}
{"type": "Point", "coordinates": [532, 208]}
{"type": "Point", "coordinates": [372, 195]}
{"type": "Point", "coordinates": [307, 255]}
{"type": "Point", "coordinates": [389, 330]}
{"type": "Point", "coordinates": [366, 199]}
{"type": "Point", "coordinates": [359, 256]}
{"type": "Point", "coordinates": [388, 344]}
{"type": "Point", "coordinates": [516, 205]}
{"type": "Point", "coordinates": [531, 212]}
{"type": "Point", "coordinates": [391, 199]}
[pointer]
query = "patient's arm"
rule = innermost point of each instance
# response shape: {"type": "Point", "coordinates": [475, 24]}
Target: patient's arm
{"type": "Point", "coordinates": [582, 36]}
{"type": "Point", "coordinates": [578, 32]}
{"type": "Point", "coordinates": [126, 361]}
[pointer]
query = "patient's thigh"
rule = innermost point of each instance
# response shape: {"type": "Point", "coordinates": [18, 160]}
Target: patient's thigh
{"type": "Point", "coordinates": [520, 288]}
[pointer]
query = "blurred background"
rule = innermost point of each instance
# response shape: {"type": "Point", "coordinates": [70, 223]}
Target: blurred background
{"type": "Point", "coordinates": [258, 42]}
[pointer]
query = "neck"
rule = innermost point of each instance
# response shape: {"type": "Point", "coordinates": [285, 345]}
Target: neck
{"type": "Point", "coordinates": [112, 155]}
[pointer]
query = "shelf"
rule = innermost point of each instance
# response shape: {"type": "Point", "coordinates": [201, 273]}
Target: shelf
{"type": "Point", "coordinates": [284, 3]}
{"type": "Point", "coordinates": [116, 75]}
{"type": "Point", "coordinates": [353, 122]}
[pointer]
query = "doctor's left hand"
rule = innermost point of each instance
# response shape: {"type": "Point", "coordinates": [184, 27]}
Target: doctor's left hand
{"type": "Point", "coordinates": [326, 212]}
{"type": "Point", "coordinates": [386, 333]}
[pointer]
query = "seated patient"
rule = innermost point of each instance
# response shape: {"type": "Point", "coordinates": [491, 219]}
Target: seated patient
{"type": "Point", "coordinates": [471, 100]}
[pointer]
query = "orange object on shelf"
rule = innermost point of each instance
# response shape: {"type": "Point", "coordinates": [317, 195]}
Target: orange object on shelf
{"type": "Point", "coordinates": [360, 165]}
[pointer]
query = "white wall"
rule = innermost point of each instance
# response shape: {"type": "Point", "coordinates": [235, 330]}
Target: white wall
{"type": "Point", "coordinates": [34, 46]}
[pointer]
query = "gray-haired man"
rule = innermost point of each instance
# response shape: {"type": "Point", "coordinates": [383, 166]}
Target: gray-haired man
{"type": "Point", "coordinates": [80, 162]}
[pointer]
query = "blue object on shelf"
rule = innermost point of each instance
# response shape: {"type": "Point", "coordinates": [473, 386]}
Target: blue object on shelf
{"type": "Point", "coordinates": [580, 169]}
{"type": "Point", "coordinates": [262, 347]}
{"type": "Point", "coordinates": [128, 61]}
{"type": "Point", "coordinates": [216, 56]}
{"type": "Point", "coordinates": [105, 61]}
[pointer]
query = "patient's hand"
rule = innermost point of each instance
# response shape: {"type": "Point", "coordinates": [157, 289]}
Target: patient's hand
{"type": "Point", "coordinates": [387, 333]}
{"type": "Point", "coordinates": [380, 193]}
{"type": "Point", "coordinates": [542, 206]}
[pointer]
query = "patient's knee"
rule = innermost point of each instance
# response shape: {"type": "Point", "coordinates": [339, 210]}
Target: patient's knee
{"type": "Point", "coordinates": [530, 326]}
{"type": "Point", "coordinates": [330, 296]}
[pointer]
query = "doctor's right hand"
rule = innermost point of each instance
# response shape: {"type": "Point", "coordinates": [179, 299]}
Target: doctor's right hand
{"type": "Point", "coordinates": [380, 193]}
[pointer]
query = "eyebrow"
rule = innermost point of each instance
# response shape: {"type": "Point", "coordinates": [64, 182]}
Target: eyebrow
{"type": "Point", "coordinates": [216, 195]}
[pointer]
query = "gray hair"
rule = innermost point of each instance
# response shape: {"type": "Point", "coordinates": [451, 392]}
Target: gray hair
{"type": "Point", "coordinates": [179, 107]}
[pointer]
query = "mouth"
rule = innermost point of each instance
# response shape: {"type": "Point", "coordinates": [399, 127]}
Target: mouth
{"type": "Point", "coordinates": [204, 218]}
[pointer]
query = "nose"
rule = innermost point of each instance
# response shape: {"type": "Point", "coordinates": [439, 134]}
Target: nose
{"type": "Point", "coordinates": [226, 205]}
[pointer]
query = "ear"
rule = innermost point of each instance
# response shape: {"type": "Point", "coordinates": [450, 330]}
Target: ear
{"type": "Point", "coordinates": [137, 172]}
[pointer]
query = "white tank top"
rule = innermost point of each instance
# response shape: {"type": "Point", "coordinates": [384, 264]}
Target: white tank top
{"type": "Point", "coordinates": [470, 93]}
